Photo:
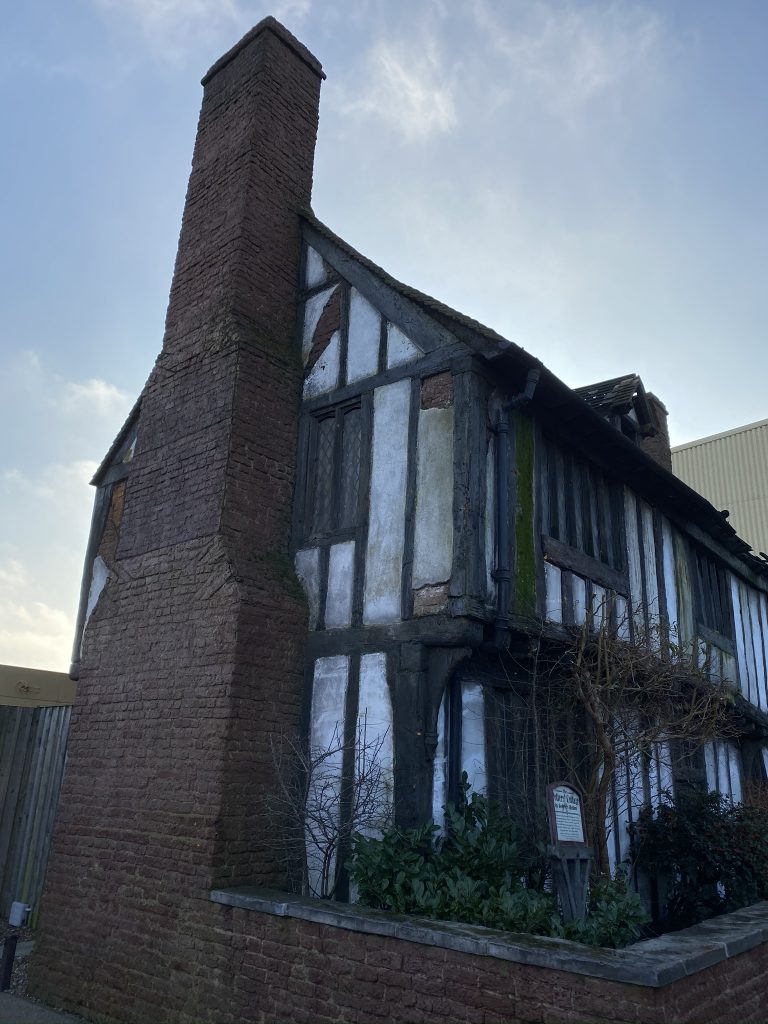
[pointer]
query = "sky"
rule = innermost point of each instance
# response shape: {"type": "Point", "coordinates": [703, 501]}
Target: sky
{"type": "Point", "coordinates": [588, 177]}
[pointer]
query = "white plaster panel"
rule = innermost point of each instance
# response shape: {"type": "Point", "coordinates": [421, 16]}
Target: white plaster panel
{"type": "Point", "coordinates": [633, 558]}
{"type": "Point", "coordinates": [364, 337]}
{"type": "Point", "coordinates": [553, 578]}
{"type": "Point", "coordinates": [99, 576]}
{"type": "Point", "coordinates": [490, 519]}
{"type": "Point", "coordinates": [757, 642]}
{"type": "Point", "coordinates": [710, 766]}
{"type": "Point", "coordinates": [315, 268]}
{"type": "Point", "coordinates": [670, 578]}
{"type": "Point", "coordinates": [313, 310]}
{"type": "Point", "coordinates": [386, 518]}
{"type": "Point", "coordinates": [324, 375]}
{"type": "Point", "coordinates": [329, 691]}
{"type": "Point", "coordinates": [599, 610]}
{"type": "Point", "coordinates": [341, 578]}
{"type": "Point", "coordinates": [622, 618]}
{"type": "Point", "coordinates": [433, 532]}
{"type": "Point", "coordinates": [734, 772]}
{"type": "Point", "coordinates": [440, 766]}
{"type": "Point", "coordinates": [400, 349]}
{"type": "Point", "coordinates": [375, 732]}
{"type": "Point", "coordinates": [666, 778]}
{"type": "Point", "coordinates": [473, 736]}
{"type": "Point", "coordinates": [651, 582]}
{"type": "Point", "coordinates": [307, 563]}
{"type": "Point", "coordinates": [723, 774]}
{"type": "Point", "coordinates": [579, 600]}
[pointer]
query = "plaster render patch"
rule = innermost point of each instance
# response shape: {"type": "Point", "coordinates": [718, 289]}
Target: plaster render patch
{"type": "Point", "coordinates": [99, 576]}
{"type": "Point", "coordinates": [386, 523]}
{"type": "Point", "coordinates": [313, 310]}
{"type": "Point", "coordinates": [341, 577]}
{"type": "Point", "coordinates": [375, 727]}
{"type": "Point", "coordinates": [363, 341]}
{"type": "Point", "coordinates": [554, 593]}
{"type": "Point", "coordinates": [307, 564]}
{"type": "Point", "coordinates": [473, 735]}
{"type": "Point", "coordinates": [579, 600]}
{"type": "Point", "coordinates": [440, 767]}
{"type": "Point", "coordinates": [324, 375]}
{"type": "Point", "coordinates": [433, 535]}
{"type": "Point", "coordinates": [326, 737]}
{"type": "Point", "coordinates": [400, 349]}
{"type": "Point", "coordinates": [315, 272]}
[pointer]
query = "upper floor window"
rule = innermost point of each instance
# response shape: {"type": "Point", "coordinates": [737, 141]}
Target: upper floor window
{"type": "Point", "coordinates": [713, 598]}
{"type": "Point", "coordinates": [333, 481]}
{"type": "Point", "coordinates": [580, 505]}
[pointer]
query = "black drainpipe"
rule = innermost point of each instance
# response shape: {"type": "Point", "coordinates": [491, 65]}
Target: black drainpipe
{"type": "Point", "coordinates": [503, 572]}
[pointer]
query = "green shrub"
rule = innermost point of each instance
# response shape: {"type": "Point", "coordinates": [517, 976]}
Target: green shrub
{"type": "Point", "coordinates": [481, 872]}
{"type": "Point", "coordinates": [714, 857]}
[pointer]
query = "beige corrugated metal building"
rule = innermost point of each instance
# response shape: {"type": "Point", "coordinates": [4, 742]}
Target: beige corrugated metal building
{"type": "Point", "coordinates": [731, 471]}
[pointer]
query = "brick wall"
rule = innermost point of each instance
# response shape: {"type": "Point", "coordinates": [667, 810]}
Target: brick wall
{"type": "Point", "coordinates": [255, 967]}
{"type": "Point", "coordinates": [194, 653]}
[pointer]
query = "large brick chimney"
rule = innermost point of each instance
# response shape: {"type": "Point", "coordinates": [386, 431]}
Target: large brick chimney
{"type": "Point", "coordinates": [657, 446]}
{"type": "Point", "coordinates": [193, 655]}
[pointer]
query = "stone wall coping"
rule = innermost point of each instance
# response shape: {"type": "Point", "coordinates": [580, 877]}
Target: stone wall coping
{"type": "Point", "coordinates": [652, 962]}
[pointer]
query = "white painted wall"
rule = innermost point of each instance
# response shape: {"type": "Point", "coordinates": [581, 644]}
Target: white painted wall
{"type": "Point", "coordinates": [386, 522]}
{"type": "Point", "coordinates": [329, 691]}
{"type": "Point", "coordinates": [440, 766]}
{"type": "Point", "coordinates": [554, 595]}
{"type": "Point", "coordinates": [324, 375]}
{"type": "Point", "coordinates": [307, 563]}
{"type": "Point", "coordinates": [313, 310]}
{"type": "Point", "coordinates": [473, 760]}
{"type": "Point", "coordinates": [315, 268]}
{"type": "Point", "coordinates": [364, 338]}
{"type": "Point", "coordinates": [433, 532]}
{"type": "Point", "coordinates": [375, 729]}
{"type": "Point", "coordinates": [400, 349]}
{"type": "Point", "coordinates": [99, 576]}
{"type": "Point", "coordinates": [341, 578]}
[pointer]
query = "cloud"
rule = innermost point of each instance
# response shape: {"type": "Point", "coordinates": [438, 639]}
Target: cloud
{"type": "Point", "coordinates": [35, 635]}
{"type": "Point", "coordinates": [409, 88]}
{"type": "Point", "coordinates": [178, 26]}
{"type": "Point", "coordinates": [94, 395]}
{"type": "Point", "coordinates": [63, 483]}
{"type": "Point", "coordinates": [13, 573]}
{"type": "Point", "coordinates": [568, 54]}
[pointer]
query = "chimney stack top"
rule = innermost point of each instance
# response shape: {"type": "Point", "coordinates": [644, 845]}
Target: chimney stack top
{"type": "Point", "coordinates": [268, 24]}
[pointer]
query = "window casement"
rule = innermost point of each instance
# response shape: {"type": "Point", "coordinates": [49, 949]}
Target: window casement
{"type": "Point", "coordinates": [335, 447]}
{"type": "Point", "coordinates": [712, 596]}
{"type": "Point", "coordinates": [581, 510]}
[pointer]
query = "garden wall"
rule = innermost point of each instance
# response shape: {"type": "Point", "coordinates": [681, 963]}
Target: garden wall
{"type": "Point", "coordinates": [299, 960]}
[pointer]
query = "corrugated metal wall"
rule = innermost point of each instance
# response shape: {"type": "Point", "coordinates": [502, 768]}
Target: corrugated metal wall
{"type": "Point", "coordinates": [731, 471]}
{"type": "Point", "coordinates": [33, 744]}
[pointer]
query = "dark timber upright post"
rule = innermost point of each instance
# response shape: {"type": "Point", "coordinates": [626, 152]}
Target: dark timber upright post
{"type": "Point", "coordinates": [193, 656]}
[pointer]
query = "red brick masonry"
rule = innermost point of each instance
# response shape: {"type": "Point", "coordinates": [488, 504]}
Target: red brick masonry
{"type": "Point", "coordinates": [326, 962]}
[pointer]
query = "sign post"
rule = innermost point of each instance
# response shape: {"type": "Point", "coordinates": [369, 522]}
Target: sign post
{"type": "Point", "coordinates": [570, 852]}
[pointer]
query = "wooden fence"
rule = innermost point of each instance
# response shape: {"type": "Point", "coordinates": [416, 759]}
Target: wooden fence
{"type": "Point", "coordinates": [33, 744]}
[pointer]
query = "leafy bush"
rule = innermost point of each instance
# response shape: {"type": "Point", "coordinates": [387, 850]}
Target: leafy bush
{"type": "Point", "coordinates": [714, 857]}
{"type": "Point", "coordinates": [480, 872]}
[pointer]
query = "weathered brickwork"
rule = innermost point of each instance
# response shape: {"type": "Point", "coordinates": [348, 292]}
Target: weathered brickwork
{"type": "Point", "coordinates": [193, 656]}
{"type": "Point", "coordinates": [238, 966]}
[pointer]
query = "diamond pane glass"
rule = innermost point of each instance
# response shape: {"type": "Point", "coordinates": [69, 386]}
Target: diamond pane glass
{"type": "Point", "coordinates": [350, 468]}
{"type": "Point", "coordinates": [323, 492]}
